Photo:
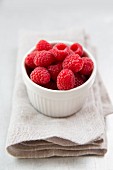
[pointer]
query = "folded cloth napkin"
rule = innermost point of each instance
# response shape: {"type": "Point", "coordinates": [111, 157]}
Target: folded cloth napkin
{"type": "Point", "coordinates": [34, 135]}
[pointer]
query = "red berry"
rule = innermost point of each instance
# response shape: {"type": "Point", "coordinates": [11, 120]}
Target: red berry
{"type": "Point", "coordinates": [87, 67]}
{"type": "Point", "coordinates": [65, 80]}
{"type": "Point", "coordinates": [43, 45]}
{"type": "Point", "coordinates": [71, 52]}
{"type": "Point", "coordinates": [43, 58]}
{"type": "Point", "coordinates": [40, 75]}
{"type": "Point", "coordinates": [60, 51]}
{"type": "Point", "coordinates": [29, 60]}
{"type": "Point", "coordinates": [51, 85]}
{"type": "Point", "coordinates": [54, 70]}
{"type": "Point", "coordinates": [84, 54]}
{"type": "Point", "coordinates": [73, 62]}
{"type": "Point", "coordinates": [60, 46]}
{"type": "Point", "coordinates": [77, 48]}
{"type": "Point", "coordinates": [79, 79]}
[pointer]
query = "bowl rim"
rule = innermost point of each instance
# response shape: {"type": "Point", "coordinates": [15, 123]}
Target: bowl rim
{"type": "Point", "coordinates": [24, 72]}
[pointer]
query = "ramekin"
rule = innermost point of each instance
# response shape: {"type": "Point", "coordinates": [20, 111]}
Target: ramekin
{"type": "Point", "coordinates": [57, 103]}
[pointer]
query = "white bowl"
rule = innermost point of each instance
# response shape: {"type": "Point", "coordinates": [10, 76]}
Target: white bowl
{"type": "Point", "coordinates": [57, 103]}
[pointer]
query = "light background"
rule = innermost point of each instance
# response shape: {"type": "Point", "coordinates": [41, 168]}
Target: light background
{"type": "Point", "coordinates": [96, 17]}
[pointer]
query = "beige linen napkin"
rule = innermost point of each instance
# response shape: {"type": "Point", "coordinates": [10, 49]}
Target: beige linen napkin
{"type": "Point", "coordinates": [34, 135]}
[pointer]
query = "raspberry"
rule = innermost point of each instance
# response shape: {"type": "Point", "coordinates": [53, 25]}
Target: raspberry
{"type": "Point", "coordinates": [73, 62]}
{"type": "Point", "coordinates": [77, 48]}
{"type": "Point", "coordinates": [65, 80]}
{"type": "Point", "coordinates": [43, 58]}
{"type": "Point", "coordinates": [79, 79]}
{"type": "Point", "coordinates": [54, 70]}
{"type": "Point", "coordinates": [29, 60]}
{"type": "Point", "coordinates": [40, 75]}
{"type": "Point", "coordinates": [84, 54]}
{"type": "Point", "coordinates": [60, 51]}
{"type": "Point", "coordinates": [71, 52]}
{"type": "Point", "coordinates": [87, 67]}
{"type": "Point", "coordinates": [43, 45]}
{"type": "Point", "coordinates": [51, 85]}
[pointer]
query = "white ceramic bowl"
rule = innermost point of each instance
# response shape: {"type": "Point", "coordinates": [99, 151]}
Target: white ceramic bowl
{"type": "Point", "coordinates": [56, 103]}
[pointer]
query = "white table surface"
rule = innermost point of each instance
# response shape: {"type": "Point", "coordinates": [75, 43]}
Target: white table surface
{"type": "Point", "coordinates": [39, 15]}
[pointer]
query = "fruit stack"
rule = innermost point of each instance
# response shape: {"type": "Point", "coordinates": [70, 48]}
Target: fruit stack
{"type": "Point", "coordinates": [58, 66]}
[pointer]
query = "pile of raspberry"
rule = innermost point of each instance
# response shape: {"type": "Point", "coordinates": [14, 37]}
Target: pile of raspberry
{"type": "Point", "coordinates": [58, 66]}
